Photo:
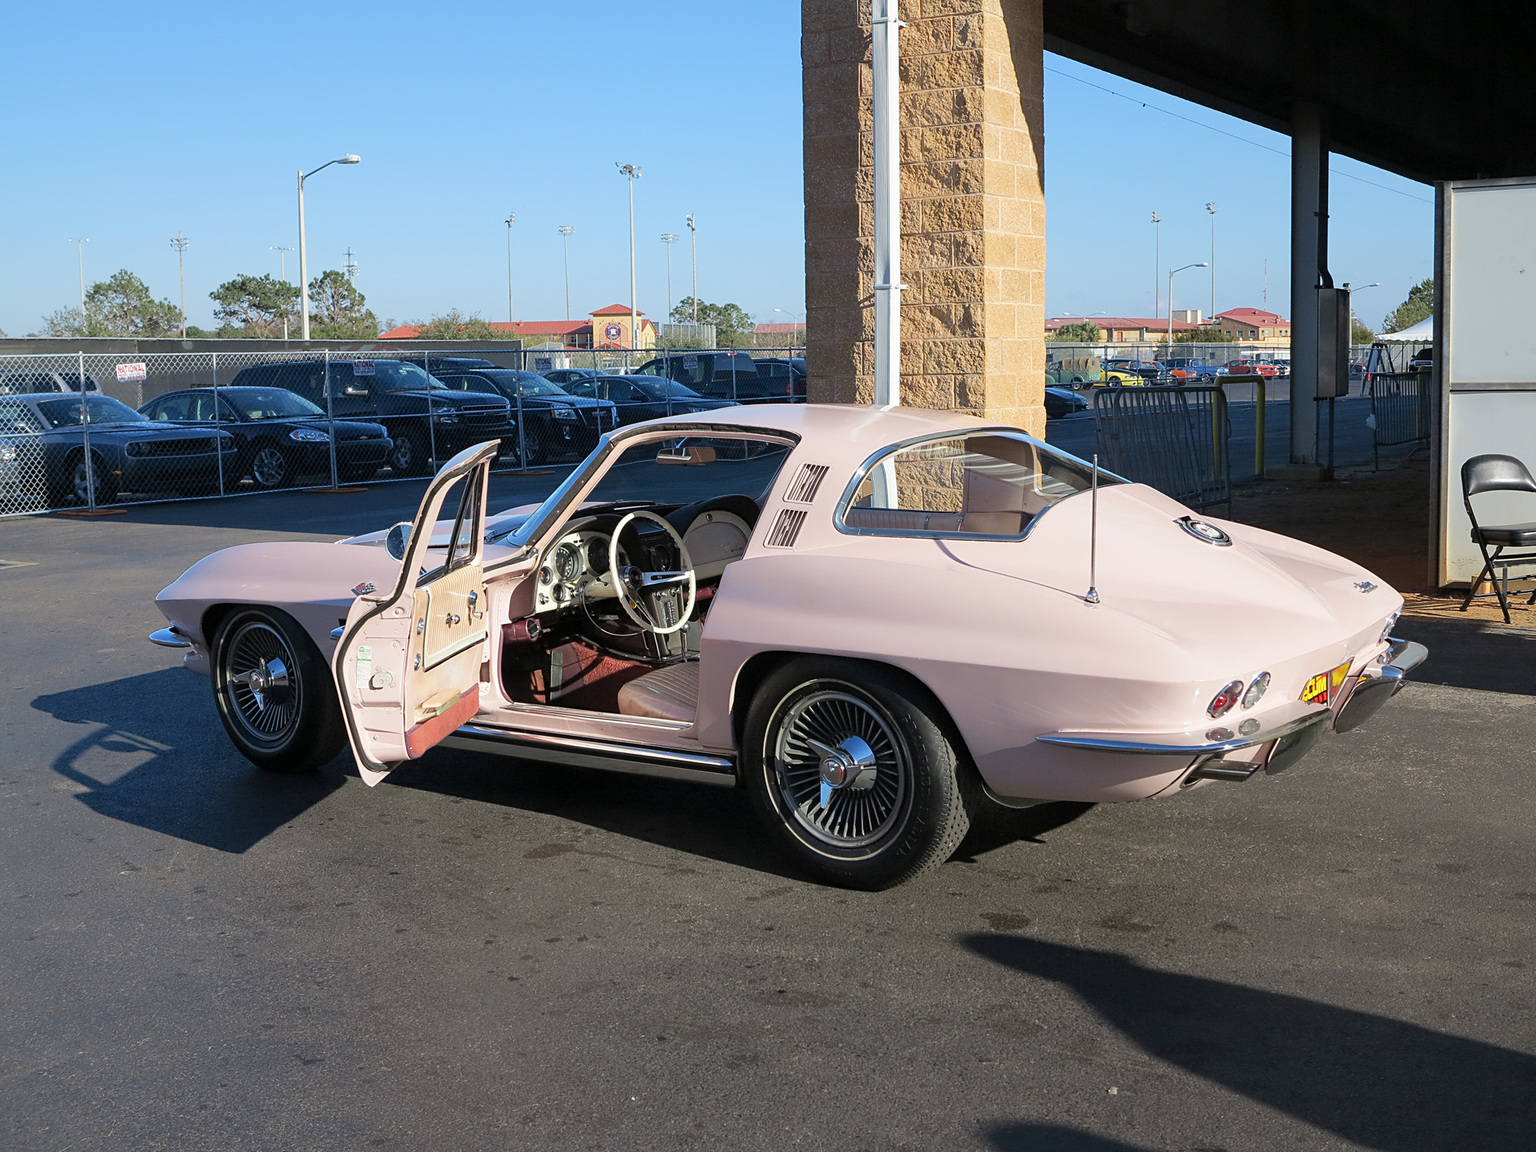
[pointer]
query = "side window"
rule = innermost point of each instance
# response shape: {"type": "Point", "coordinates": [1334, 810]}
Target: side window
{"type": "Point", "coordinates": [170, 408]}
{"type": "Point", "coordinates": [979, 485]}
{"type": "Point", "coordinates": [18, 418]}
{"type": "Point", "coordinates": [227, 412]}
{"type": "Point", "coordinates": [200, 406]}
{"type": "Point", "coordinates": [457, 383]}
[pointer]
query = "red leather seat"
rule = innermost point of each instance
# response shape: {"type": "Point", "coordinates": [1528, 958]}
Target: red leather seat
{"type": "Point", "coordinates": [668, 693]}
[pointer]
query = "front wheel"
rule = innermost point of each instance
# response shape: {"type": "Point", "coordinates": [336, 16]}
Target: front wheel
{"type": "Point", "coordinates": [275, 693]}
{"type": "Point", "coordinates": [853, 769]}
{"type": "Point", "coordinates": [408, 456]}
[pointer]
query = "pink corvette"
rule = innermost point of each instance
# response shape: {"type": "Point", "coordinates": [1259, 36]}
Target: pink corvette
{"type": "Point", "coordinates": [874, 620]}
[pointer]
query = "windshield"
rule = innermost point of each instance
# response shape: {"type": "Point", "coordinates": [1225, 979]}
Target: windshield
{"type": "Point", "coordinates": [65, 412]}
{"type": "Point", "coordinates": [532, 384]}
{"type": "Point", "coordinates": [396, 376]}
{"type": "Point", "coordinates": [663, 388]}
{"type": "Point", "coordinates": [270, 404]}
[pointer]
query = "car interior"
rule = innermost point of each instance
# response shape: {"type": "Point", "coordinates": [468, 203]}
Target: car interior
{"type": "Point", "coordinates": [621, 597]}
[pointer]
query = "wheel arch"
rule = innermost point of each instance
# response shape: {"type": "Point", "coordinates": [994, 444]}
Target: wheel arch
{"type": "Point", "coordinates": [759, 667]}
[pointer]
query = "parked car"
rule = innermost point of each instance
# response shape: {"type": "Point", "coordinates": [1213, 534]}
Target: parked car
{"type": "Point", "coordinates": [281, 435]}
{"type": "Point", "coordinates": [1148, 370]}
{"type": "Point", "coordinates": [733, 376]}
{"type": "Point", "coordinates": [424, 419]}
{"type": "Point", "coordinates": [1188, 369]}
{"type": "Point", "coordinates": [1423, 359]}
{"type": "Point", "coordinates": [20, 382]}
{"type": "Point", "coordinates": [644, 397]}
{"type": "Point", "coordinates": [554, 421]}
{"type": "Point", "coordinates": [1062, 402]}
{"type": "Point", "coordinates": [878, 624]}
{"type": "Point", "coordinates": [1251, 367]}
{"type": "Point", "coordinates": [564, 376]}
{"type": "Point", "coordinates": [128, 453]}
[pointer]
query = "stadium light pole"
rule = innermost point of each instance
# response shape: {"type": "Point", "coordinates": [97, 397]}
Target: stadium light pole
{"type": "Point", "coordinates": [669, 239]}
{"type": "Point", "coordinates": [80, 242]}
{"type": "Point", "coordinates": [349, 158]}
{"type": "Point", "coordinates": [565, 244]}
{"type": "Point", "coordinates": [180, 242]}
{"type": "Point", "coordinates": [282, 270]}
{"type": "Point", "coordinates": [511, 220]}
{"type": "Point", "coordinates": [693, 235]}
{"type": "Point", "coordinates": [1211, 208]}
{"type": "Point", "coordinates": [631, 172]}
{"type": "Point", "coordinates": [1157, 263]}
{"type": "Point", "coordinates": [1171, 273]}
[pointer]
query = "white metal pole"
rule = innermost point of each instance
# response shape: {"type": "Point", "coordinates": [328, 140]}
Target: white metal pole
{"type": "Point", "coordinates": [511, 219]}
{"type": "Point", "coordinates": [693, 235]}
{"type": "Point", "coordinates": [1211, 208]}
{"type": "Point", "coordinates": [565, 244]}
{"type": "Point", "coordinates": [1157, 263]}
{"type": "Point", "coordinates": [887, 158]}
{"type": "Point", "coordinates": [303, 268]}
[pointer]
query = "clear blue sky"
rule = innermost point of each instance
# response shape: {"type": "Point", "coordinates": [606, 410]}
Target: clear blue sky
{"type": "Point", "coordinates": [197, 118]}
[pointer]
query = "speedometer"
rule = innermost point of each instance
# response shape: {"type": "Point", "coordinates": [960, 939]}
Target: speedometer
{"type": "Point", "coordinates": [597, 557]}
{"type": "Point", "coordinates": [567, 563]}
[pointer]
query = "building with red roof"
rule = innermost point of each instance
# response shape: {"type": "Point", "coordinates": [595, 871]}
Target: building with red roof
{"type": "Point", "coordinates": [1122, 329]}
{"type": "Point", "coordinates": [1254, 325]}
{"type": "Point", "coordinates": [605, 328]}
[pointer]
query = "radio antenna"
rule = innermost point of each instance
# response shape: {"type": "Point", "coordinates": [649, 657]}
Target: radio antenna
{"type": "Point", "coordinates": [1093, 537]}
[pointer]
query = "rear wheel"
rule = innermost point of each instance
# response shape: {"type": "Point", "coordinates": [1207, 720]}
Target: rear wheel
{"type": "Point", "coordinates": [275, 694]}
{"type": "Point", "coordinates": [853, 770]}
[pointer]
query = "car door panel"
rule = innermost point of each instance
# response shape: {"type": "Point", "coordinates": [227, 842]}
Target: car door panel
{"type": "Point", "coordinates": [408, 666]}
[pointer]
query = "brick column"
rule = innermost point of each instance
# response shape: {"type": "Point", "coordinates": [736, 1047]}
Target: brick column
{"type": "Point", "coordinates": [973, 205]}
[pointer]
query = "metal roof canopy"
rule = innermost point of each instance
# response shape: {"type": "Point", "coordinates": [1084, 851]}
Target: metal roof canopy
{"type": "Point", "coordinates": [1426, 89]}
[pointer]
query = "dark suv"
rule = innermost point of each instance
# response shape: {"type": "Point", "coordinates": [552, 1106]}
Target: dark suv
{"type": "Point", "coordinates": [554, 422]}
{"type": "Point", "coordinates": [731, 376]}
{"type": "Point", "coordinates": [425, 420]}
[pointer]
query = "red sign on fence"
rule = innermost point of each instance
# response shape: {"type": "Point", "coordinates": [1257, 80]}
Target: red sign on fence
{"type": "Point", "coordinates": [132, 373]}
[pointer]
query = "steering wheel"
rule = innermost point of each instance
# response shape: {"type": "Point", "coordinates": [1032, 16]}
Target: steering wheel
{"type": "Point", "coordinates": [641, 592]}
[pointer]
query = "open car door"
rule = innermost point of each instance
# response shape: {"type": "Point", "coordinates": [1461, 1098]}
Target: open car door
{"type": "Point", "coordinates": [408, 662]}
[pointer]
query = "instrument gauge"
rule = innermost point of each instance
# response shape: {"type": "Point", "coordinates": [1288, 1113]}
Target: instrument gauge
{"type": "Point", "coordinates": [597, 557]}
{"type": "Point", "coordinates": [567, 562]}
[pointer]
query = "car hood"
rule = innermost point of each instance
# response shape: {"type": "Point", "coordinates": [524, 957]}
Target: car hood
{"type": "Point", "coordinates": [457, 399]}
{"type": "Point", "coordinates": [1158, 576]}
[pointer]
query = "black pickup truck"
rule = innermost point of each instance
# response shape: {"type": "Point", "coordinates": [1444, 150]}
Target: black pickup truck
{"type": "Point", "coordinates": [425, 420]}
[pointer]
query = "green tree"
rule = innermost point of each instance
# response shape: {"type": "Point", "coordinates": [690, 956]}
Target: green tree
{"type": "Point", "coordinates": [338, 310]}
{"type": "Point", "coordinates": [1209, 334]}
{"type": "Point", "coordinates": [1079, 332]}
{"type": "Point", "coordinates": [1420, 305]}
{"type": "Point", "coordinates": [118, 306]}
{"type": "Point", "coordinates": [255, 306]}
{"type": "Point", "coordinates": [454, 325]}
{"type": "Point", "coordinates": [1359, 333]}
{"type": "Point", "coordinates": [733, 327]}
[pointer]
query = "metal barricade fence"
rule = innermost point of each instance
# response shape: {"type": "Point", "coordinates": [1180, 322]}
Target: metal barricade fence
{"type": "Point", "coordinates": [1400, 410]}
{"type": "Point", "coordinates": [1171, 438]}
{"type": "Point", "coordinates": [86, 430]}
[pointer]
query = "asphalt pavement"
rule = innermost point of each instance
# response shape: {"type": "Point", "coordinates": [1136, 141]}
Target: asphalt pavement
{"type": "Point", "coordinates": [487, 954]}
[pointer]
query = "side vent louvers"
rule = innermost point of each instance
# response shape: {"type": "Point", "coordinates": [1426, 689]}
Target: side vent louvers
{"type": "Point", "coordinates": [809, 479]}
{"type": "Point", "coordinates": [786, 528]}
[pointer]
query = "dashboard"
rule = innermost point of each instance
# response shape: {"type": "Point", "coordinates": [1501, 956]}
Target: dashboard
{"type": "Point", "coordinates": [576, 568]}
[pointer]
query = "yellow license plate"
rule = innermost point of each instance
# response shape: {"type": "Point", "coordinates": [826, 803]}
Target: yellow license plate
{"type": "Point", "coordinates": [1320, 689]}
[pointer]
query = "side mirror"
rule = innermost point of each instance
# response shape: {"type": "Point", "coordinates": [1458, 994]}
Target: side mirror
{"type": "Point", "coordinates": [398, 540]}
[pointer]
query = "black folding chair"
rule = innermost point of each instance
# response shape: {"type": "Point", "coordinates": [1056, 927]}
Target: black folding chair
{"type": "Point", "coordinates": [1494, 472]}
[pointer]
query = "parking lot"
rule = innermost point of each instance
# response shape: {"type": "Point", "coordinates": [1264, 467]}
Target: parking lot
{"type": "Point", "coordinates": [484, 954]}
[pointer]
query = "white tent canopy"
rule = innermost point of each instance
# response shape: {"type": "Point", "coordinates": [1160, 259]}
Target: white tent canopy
{"type": "Point", "coordinates": [1421, 333]}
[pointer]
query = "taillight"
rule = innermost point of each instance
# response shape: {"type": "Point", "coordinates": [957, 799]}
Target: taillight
{"type": "Point", "coordinates": [1225, 700]}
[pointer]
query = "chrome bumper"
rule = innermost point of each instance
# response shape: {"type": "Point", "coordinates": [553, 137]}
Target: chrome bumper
{"type": "Point", "coordinates": [1155, 746]}
{"type": "Point", "coordinates": [169, 638]}
{"type": "Point", "coordinates": [1375, 686]}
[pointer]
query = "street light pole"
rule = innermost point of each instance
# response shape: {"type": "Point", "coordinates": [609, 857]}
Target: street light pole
{"type": "Point", "coordinates": [669, 239]}
{"type": "Point", "coordinates": [565, 244]}
{"type": "Point", "coordinates": [512, 218]}
{"type": "Point", "coordinates": [180, 243]}
{"type": "Point", "coordinates": [1171, 273]}
{"type": "Point", "coordinates": [1353, 319]}
{"type": "Point", "coordinates": [1211, 208]}
{"type": "Point", "coordinates": [693, 234]}
{"type": "Point", "coordinates": [794, 326]}
{"type": "Point", "coordinates": [80, 242]}
{"type": "Point", "coordinates": [631, 172]}
{"type": "Point", "coordinates": [349, 158]}
{"type": "Point", "coordinates": [1157, 263]}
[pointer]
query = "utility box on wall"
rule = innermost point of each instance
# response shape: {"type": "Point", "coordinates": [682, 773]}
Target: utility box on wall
{"type": "Point", "coordinates": [1333, 332]}
{"type": "Point", "coordinates": [1485, 355]}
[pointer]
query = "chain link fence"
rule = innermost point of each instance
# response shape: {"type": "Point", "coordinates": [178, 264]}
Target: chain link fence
{"type": "Point", "coordinates": [87, 431]}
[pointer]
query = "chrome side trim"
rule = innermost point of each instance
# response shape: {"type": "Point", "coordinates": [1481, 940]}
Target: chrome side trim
{"type": "Point", "coordinates": [582, 753]}
{"type": "Point", "coordinates": [169, 638]}
{"type": "Point", "coordinates": [1156, 748]}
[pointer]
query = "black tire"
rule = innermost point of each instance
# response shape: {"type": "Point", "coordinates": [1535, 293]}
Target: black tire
{"type": "Point", "coordinates": [870, 836]}
{"type": "Point", "coordinates": [409, 455]}
{"type": "Point", "coordinates": [290, 723]}
{"type": "Point", "coordinates": [535, 449]}
{"type": "Point", "coordinates": [270, 466]}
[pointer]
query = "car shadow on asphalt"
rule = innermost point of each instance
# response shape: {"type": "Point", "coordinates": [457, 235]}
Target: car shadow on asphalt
{"type": "Point", "coordinates": [1377, 1082]}
{"type": "Point", "coordinates": [997, 827]}
{"type": "Point", "coordinates": [151, 753]}
{"type": "Point", "coordinates": [1474, 654]}
{"type": "Point", "coordinates": [699, 820]}
{"type": "Point", "coordinates": [1052, 1138]}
